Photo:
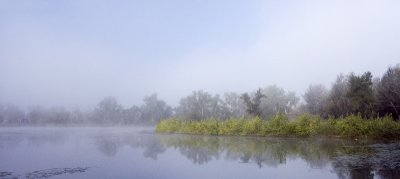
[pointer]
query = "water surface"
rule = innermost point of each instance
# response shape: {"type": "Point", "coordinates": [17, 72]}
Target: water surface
{"type": "Point", "coordinates": [139, 153]}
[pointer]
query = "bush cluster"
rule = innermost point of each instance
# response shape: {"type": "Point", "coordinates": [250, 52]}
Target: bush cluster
{"type": "Point", "coordinates": [305, 125]}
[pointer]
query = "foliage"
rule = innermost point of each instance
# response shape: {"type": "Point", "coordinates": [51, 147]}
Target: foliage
{"type": "Point", "coordinates": [305, 125]}
{"type": "Point", "coordinates": [278, 125]}
{"type": "Point", "coordinates": [315, 98]}
{"type": "Point", "coordinates": [233, 106]}
{"type": "Point", "coordinates": [388, 93]}
{"type": "Point", "coordinates": [338, 103]}
{"type": "Point", "coordinates": [108, 111]}
{"type": "Point", "coordinates": [231, 127]}
{"type": "Point", "coordinates": [253, 104]}
{"type": "Point", "coordinates": [352, 98]}
{"type": "Point", "coordinates": [200, 105]}
{"type": "Point", "coordinates": [154, 109]}
{"type": "Point", "coordinates": [361, 94]}
{"type": "Point", "coordinates": [277, 101]}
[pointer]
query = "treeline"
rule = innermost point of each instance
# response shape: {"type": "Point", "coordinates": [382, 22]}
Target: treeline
{"type": "Point", "coordinates": [107, 112]}
{"type": "Point", "coordinates": [352, 94]}
{"type": "Point", "coordinates": [357, 94]}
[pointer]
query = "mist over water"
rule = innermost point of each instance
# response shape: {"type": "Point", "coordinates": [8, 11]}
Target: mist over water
{"type": "Point", "coordinates": [139, 153]}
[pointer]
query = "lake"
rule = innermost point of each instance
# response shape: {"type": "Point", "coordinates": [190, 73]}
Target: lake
{"type": "Point", "coordinates": [125, 152]}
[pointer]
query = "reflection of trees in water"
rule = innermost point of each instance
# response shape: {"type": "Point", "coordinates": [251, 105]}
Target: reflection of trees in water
{"type": "Point", "coordinates": [350, 159]}
{"type": "Point", "coordinates": [109, 145]}
{"type": "Point", "coordinates": [152, 147]}
{"type": "Point", "coordinates": [198, 151]}
{"type": "Point", "coordinates": [270, 152]}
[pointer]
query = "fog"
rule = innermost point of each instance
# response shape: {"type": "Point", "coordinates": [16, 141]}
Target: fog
{"type": "Point", "coordinates": [74, 53]}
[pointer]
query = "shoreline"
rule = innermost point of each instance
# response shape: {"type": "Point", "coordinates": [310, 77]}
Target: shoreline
{"type": "Point", "coordinates": [303, 126]}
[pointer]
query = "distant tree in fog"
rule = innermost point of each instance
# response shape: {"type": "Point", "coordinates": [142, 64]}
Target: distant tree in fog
{"type": "Point", "coordinates": [200, 105]}
{"type": "Point", "coordinates": [36, 115]}
{"type": "Point", "coordinates": [315, 98]}
{"type": "Point", "coordinates": [153, 109]}
{"type": "Point", "coordinates": [133, 115]}
{"type": "Point", "coordinates": [277, 101]}
{"type": "Point", "coordinates": [108, 111]}
{"type": "Point", "coordinates": [388, 93]}
{"type": "Point", "coordinates": [233, 105]}
{"type": "Point", "coordinates": [338, 103]}
{"type": "Point", "coordinates": [10, 114]}
{"type": "Point", "coordinates": [77, 116]}
{"type": "Point", "coordinates": [253, 103]}
{"type": "Point", "coordinates": [1, 114]}
{"type": "Point", "coordinates": [59, 116]}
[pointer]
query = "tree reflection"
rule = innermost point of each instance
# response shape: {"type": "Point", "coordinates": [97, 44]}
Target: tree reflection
{"type": "Point", "coordinates": [350, 159]}
{"type": "Point", "coordinates": [269, 152]}
{"type": "Point", "coordinates": [109, 145]}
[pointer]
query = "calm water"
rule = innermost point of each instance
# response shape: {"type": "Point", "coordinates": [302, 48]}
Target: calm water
{"type": "Point", "coordinates": [139, 153]}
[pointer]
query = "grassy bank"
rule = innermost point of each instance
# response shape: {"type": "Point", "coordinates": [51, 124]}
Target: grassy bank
{"type": "Point", "coordinates": [279, 125]}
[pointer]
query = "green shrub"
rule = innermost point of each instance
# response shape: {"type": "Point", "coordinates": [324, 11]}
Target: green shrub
{"type": "Point", "coordinates": [210, 127]}
{"type": "Point", "coordinates": [279, 125]}
{"type": "Point", "coordinates": [252, 127]}
{"type": "Point", "coordinates": [231, 127]}
{"type": "Point", "coordinates": [307, 125]}
{"type": "Point", "coordinates": [352, 126]}
{"type": "Point", "coordinates": [170, 125]}
{"type": "Point", "coordinates": [383, 128]}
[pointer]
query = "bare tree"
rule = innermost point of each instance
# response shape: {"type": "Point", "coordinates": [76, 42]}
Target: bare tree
{"type": "Point", "coordinates": [277, 101]}
{"type": "Point", "coordinates": [338, 103]}
{"type": "Point", "coordinates": [200, 105]}
{"type": "Point", "coordinates": [133, 115]}
{"type": "Point", "coordinates": [108, 111]}
{"type": "Point", "coordinates": [315, 98]}
{"type": "Point", "coordinates": [154, 109]}
{"type": "Point", "coordinates": [11, 114]}
{"type": "Point", "coordinates": [233, 106]}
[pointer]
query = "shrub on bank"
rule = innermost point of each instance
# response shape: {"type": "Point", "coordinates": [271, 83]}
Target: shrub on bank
{"type": "Point", "coordinates": [307, 125]}
{"type": "Point", "coordinates": [231, 127]}
{"type": "Point", "coordinates": [279, 125]}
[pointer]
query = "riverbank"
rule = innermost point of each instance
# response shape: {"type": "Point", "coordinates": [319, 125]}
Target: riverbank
{"type": "Point", "coordinates": [279, 125]}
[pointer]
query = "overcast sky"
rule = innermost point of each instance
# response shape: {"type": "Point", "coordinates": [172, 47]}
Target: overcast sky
{"type": "Point", "coordinates": [75, 52]}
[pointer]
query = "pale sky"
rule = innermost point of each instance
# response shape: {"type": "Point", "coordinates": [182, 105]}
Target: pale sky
{"type": "Point", "coordinates": [75, 52]}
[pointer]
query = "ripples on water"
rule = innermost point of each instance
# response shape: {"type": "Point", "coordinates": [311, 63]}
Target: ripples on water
{"type": "Point", "coordinates": [139, 153]}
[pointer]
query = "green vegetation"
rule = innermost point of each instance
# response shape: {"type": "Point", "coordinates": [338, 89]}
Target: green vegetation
{"type": "Point", "coordinates": [279, 125]}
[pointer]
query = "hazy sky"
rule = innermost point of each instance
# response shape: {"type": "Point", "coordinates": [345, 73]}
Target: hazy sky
{"type": "Point", "coordinates": [75, 52]}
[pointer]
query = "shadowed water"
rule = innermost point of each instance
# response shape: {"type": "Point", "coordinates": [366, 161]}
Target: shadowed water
{"type": "Point", "coordinates": [139, 153]}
